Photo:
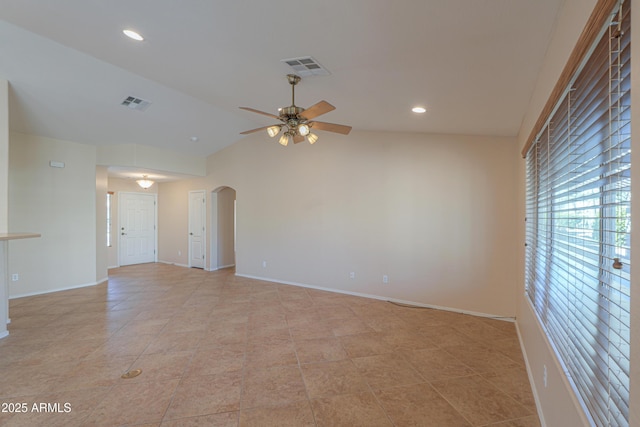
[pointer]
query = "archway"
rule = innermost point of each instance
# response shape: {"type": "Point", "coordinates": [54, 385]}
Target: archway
{"type": "Point", "coordinates": [223, 228]}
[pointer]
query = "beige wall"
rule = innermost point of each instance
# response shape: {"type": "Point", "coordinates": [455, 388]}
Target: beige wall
{"type": "Point", "coordinates": [118, 185]}
{"type": "Point", "coordinates": [4, 156]}
{"type": "Point", "coordinates": [150, 158]}
{"type": "Point", "coordinates": [433, 213]}
{"type": "Point", "coordinates": [173, 220]}
{"type": "Point", "coordinates": [59, 203]}
{"type": "Point", "coordinates": [173, 227]}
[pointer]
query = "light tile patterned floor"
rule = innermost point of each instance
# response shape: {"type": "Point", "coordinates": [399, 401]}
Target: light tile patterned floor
{"type": "Point", "coordinates": [220, 350]}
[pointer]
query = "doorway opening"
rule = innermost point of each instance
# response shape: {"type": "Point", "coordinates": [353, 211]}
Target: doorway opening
{"type": "Point", "coordinates": [223, 228]}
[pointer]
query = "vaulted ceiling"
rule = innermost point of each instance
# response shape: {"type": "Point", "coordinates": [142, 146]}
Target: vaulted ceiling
{"type": "Point", "coordinates": [472, 63]}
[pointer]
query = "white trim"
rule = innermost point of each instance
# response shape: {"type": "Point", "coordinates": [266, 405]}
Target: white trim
{"type": "Point", "coordinates": [30, 294]}
{"type": "Point", "coordinates": [102, 280]}
{"type": "Point", "coordinates": [382, 298]}
{"type": "Point", "coordinates": [113, 266]}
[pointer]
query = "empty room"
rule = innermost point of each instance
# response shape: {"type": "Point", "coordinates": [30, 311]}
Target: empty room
{"type": "Point", "coordinates": [337, 213]}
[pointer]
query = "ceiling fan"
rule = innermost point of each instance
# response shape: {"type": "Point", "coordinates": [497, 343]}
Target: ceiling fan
{"type": "Point", "coordinates": [297, 122]}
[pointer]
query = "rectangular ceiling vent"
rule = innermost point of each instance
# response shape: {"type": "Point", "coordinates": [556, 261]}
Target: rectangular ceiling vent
{"type": "Point", "coordinates": [306, 66]}
{"type": "Point", "coordinates": [136, 103]}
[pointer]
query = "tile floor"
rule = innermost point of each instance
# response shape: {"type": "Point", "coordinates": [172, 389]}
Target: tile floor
{"type": "Point", "coordinates": [221, 350]}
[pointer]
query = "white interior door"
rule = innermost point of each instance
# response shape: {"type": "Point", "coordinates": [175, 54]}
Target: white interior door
{"type": "Point", "coordinates": [197, 212]}
{"type": "Point", "coordinates": [137, 234]}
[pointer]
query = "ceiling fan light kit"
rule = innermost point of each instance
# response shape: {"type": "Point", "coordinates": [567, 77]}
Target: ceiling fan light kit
{"type": "Point", "coordinates": [303, 129]}
{"type": "Point", "coordinates": [312, 138]}
{"type": "Point", "coordinates": [273, 130]}
{"type": "Point", "coordinates": [297, 122]}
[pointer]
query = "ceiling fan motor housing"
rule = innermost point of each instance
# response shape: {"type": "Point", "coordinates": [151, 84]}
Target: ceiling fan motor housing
{"type": "Point", "coordinates": [291, 117]}
{"type": "Point", "coordinates": [290, 112]}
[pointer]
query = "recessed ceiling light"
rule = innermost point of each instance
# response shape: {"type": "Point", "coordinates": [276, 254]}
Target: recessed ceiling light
{"type": "Point", "coordinates": [419, 110]}
{"type": "Point", "coordinates": [133, 35]}
{"type": "Point", "coordinates": [194, 139]}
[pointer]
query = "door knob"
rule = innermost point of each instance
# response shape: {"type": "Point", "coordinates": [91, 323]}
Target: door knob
{"type": "Point", "coordinates": [190, 234]}
{"type": "Point", "coordinates": [124, 234]}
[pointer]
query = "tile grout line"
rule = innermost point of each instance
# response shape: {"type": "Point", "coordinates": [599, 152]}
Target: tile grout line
{"type": "Point", "coordinates": [244, 369]}
{"type": "Point", "coordinates": [306, 389]}
{"type": "Point", "coordinates": [184, 371]}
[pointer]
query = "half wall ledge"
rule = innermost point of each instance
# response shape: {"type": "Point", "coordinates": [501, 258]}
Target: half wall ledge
{"type": "Point", "coordinates": [4, 276]}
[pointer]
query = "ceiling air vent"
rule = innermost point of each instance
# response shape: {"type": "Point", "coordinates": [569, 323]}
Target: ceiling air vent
{"type": "Point", "coordinates": [136, 103]}
{"type": "Point", "coordinates": [306, 66]}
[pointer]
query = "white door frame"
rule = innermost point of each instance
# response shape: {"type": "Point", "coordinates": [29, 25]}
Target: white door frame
{"type": "Point", "coordinates": [203, 193]}
{"type": "Point", "coordinates": [155, 222]}
{"type": "Point", "coordinates": [213, 252]}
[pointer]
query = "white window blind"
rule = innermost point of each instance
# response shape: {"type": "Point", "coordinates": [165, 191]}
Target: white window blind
{"type": "Point", "coordinates": [577, 268]}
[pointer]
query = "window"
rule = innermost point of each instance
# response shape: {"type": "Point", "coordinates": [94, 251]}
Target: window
{"type": "Point", "coordinates": [578, 223]}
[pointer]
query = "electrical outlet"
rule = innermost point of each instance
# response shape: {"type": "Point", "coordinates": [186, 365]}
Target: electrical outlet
{"type": "Point", "coordinates": [385, 279]}
{"type": "Point", "coordinates": [264, 264]}
{"type": "Point", "coordinates": [352, 275]}
{"type": "Point", "coordinates": [15, 277]}
{"type": "Point", "coordinates": [179, 253]}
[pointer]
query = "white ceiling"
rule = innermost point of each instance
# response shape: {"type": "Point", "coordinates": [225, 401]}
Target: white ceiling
{"type": "Point", "coordinates": [472, 63]}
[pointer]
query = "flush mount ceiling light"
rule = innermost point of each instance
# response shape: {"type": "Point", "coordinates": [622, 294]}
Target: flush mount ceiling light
{"type": "Point", "coordinates": [133, 35]}
{"type": "Point", "coordinates": [419, 110]}
{"type": "Point", "coordinates": [144, 182]}
{"type": "Point", "coordinates": [296, 121]}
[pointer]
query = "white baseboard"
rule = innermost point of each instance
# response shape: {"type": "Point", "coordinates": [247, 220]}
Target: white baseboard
{"type": "Point", "coordinates": [173, 263]}
{"type": "Point", "coordinates": [220, 267]}
{"type": "Point", "coordinates": [48, 291]}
